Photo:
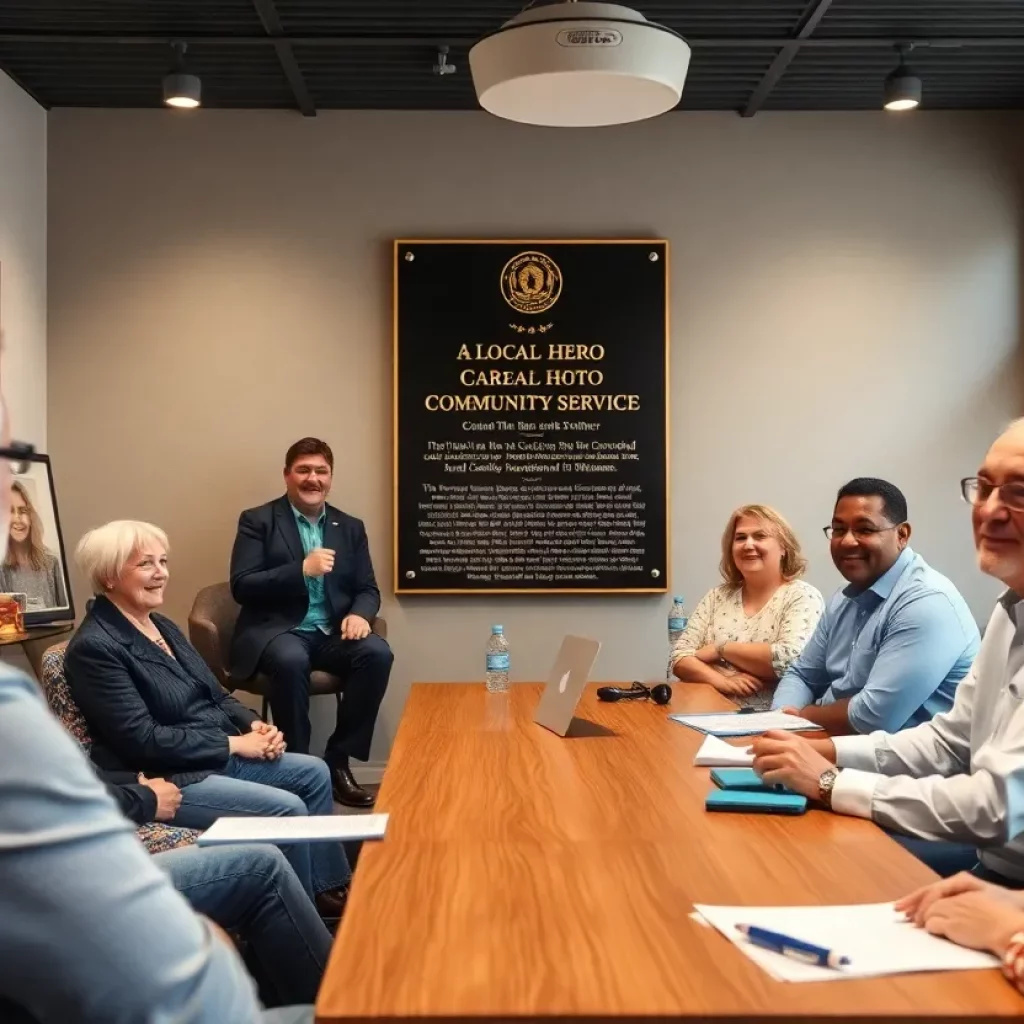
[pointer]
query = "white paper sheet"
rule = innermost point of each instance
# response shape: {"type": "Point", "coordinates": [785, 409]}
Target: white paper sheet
{"type": "Point", "coordinates": [313, 829]}
{"type": "Point", "coordinates": [716, 753]}
{"type": "Point", "coordinates": [874, 936]}
{"type": "Point", "coordinates": [730, 723]}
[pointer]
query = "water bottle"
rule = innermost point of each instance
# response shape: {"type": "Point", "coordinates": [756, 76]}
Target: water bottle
{"type": "Point", "coordinates": [677, 619]}
{"type": "Point", "coordinates": [497, 661]}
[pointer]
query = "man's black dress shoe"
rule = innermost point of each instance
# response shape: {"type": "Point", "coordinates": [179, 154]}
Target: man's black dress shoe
{"type": "Point", "coordinates": [346, 790]}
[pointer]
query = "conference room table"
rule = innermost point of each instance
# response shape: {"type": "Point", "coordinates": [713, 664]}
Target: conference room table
{"type": "Point", "coordinates": [527, 875]}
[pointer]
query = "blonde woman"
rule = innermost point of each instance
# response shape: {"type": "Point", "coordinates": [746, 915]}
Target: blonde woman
{"type": "Point", "coordinates": [743, 635]}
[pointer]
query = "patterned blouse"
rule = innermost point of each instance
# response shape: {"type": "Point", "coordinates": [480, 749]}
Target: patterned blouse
{"type": "Point", "coordinates": [786, 622]}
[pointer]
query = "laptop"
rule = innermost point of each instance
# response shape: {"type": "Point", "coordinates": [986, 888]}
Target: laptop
{"type": "Point", "coordinates": [565, 684]}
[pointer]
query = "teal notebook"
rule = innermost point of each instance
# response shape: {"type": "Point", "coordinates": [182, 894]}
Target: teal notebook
{"type": "Point", "coordinates": [744, 801]}
{"type": "Point", "coordinates": [744, 778]}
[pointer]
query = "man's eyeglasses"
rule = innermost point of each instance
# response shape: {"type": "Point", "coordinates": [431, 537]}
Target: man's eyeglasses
{"type": "Point", "coordinates": [19, 455]}
{"type": "Point", "coordinates": [977, 491]}
{"type": "Point", "coordinates": [862, 533]}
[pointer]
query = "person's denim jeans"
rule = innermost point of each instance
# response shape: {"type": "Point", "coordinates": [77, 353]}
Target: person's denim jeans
{"type": "Point", "coordinates": [295, 784]}
{"type": "Point", "coordinates": [253, 891]}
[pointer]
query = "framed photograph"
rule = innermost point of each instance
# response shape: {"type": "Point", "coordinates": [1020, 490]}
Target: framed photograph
{"type": "Point", "coordinates": [34, 570]}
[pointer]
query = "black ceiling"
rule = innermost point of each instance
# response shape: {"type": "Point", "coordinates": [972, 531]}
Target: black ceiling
{"type": "Point", "coordinates": [314, 55]}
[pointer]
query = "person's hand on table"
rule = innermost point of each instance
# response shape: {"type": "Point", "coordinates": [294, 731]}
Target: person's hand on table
{"type": "Point", "coordinates": [917, 904]}
{"type": "Point", "coordinates": [354, 627]}
{"type": "Point", "coordinates": [737, 684]}
{"type": "Point", "coordinates": [976, 919]}
{"type": "Point", "coordinates": [782, 758]}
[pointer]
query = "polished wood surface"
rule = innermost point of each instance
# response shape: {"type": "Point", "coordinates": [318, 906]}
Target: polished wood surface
{"type": "Point", "coordinates": [528, 875]}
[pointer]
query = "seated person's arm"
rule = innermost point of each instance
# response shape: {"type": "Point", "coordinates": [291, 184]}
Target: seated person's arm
{"type": "Point", "coordinates": [769, 661]}
{"type": "Point", "coordinates": [252, 583]}
{"type": "Point", "coordinates": [83, 898]}
{"type": "Point", "coordinates": [688, 665]}
{"type": "Point", "coordinates": [134, 800]}
{"type": "Point", "coordinates": [923, 642]}
{"type": "Point", "coordinates": [946, 800]}
{"type": "Point", "coordinates": [104, 690]}
{"type": "Point", "coordinates": [806, 679]}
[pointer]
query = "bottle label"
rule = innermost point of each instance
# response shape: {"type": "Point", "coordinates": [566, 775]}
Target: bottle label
{"type": "Point", "coordinates": [677, 624]}
{"type": "Point", "coordinates": [497, 662]}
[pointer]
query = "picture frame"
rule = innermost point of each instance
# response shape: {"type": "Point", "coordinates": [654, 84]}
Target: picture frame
{"type": "Point", "coordinates": [35, 568]}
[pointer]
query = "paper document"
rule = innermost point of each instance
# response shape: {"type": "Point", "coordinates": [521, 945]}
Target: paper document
{"type": "Point", "coordinates": [319, 828]}
{"type": "Point", "coordinates": [716, 753]}
{"type": "Point", "coordinates": [874, 936]}
{"type": "Point", "coordinates": [731, 723]}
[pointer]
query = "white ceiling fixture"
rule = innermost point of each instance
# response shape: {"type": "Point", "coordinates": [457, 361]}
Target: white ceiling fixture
{"type": "Point", "coordinates": [579, 65]}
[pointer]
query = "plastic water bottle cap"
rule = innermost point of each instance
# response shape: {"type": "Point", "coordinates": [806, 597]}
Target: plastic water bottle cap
{"type": "Point", "coordinates": [497, 629]}
{"type": "Point", "coordinates": [678, 598]}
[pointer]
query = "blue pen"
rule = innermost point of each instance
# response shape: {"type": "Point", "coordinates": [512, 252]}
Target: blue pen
{"type": "Point", "coordinates": [795, 948]}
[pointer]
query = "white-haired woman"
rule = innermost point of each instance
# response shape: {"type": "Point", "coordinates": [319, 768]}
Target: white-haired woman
{"type": "Point", "coordinates": [154, 708]}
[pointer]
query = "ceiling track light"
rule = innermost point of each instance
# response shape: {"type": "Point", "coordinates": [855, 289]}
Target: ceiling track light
{"type": "Point", "coordinates": [182, 90]}
{"type": "Point", "coordinates": [442, 67]}
{"type": "Point", "coordinates": [902, 86]}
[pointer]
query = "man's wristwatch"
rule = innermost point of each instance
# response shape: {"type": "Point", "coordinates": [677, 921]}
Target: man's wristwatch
{"type": "Point", "coordinates": [826, 783]}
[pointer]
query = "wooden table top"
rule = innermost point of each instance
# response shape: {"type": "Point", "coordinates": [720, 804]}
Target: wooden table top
{"type": "Point", "coordinates": [528, 875]}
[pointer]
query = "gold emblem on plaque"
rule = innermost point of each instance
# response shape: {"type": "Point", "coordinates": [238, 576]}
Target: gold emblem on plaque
{"type": "Point", "coordinates": [531, 282]}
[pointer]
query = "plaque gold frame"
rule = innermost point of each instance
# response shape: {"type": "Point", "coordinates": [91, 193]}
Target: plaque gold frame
{"type": "Point", "coordinates": [401, 243]}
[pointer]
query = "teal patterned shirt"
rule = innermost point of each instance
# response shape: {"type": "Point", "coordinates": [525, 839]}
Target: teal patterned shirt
{"type": "Point", "coordinates": [318, 616]}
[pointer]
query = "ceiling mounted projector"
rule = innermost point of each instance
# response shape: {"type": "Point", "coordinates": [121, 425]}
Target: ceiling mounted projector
{"type": "Point", "coordinates": [578, 65]}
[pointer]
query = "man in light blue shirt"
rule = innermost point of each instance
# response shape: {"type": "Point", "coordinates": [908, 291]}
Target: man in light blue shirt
{"type": "Point", "coordinates": [893, 645]}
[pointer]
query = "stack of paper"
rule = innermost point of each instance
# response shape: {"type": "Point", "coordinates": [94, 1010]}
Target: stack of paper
{"type": "Point", "coordinates": [716, 753]}
{"type": "Point", "coordinates": [876, 938]}
{"type": "Point", "coordinates": [733, 723]}
{"type": "Point", "coordinates": [317, 828]}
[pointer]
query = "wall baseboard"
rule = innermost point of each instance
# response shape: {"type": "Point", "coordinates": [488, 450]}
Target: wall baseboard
{"type": "Point", "coordinates": [369, 774]}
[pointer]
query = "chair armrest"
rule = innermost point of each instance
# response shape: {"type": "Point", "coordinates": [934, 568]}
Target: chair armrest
{"type": "Point", "coordinates": [380, 627]}
{"type": "Point", "coordinates": [206, 640]}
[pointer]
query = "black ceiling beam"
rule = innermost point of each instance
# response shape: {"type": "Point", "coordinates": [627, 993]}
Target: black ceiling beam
{"type": "Point", "coordinates": [24, 88]}
{"type": "Point", "coordinates": [813, 13]}
{"type": "Point", "coordinates": [432, 42]}
{"type": "Point", "coordinates": [267, 11]}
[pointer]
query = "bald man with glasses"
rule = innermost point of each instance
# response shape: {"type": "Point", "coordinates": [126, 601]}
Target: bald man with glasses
{"type": "Point", "coordinates": [958, 780]}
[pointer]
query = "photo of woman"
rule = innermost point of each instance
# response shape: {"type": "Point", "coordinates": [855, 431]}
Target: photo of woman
{"type": "Point", "coordinates": [30, 567]}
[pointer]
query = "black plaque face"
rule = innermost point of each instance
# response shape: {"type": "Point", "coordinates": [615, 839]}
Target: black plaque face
{"type": "Point", "coordinates": [531, 416]}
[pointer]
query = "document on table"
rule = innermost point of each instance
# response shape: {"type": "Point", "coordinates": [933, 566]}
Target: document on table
{"type": "Point", "coordinates": [876, 938]}
{"type": "Point", "coordinates": [716, 753]}
{"type": "Point", "coordinates": [733, 723]}
{"type": "Point", "coordinates": [318, 828]}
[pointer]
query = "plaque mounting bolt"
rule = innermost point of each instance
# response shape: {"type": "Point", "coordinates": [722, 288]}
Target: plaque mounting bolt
{"type": "Point", "coordinates": [410, 575]}
{"type": "Point", "coordinates": [653, 257]}
{"type": "Point", "coordinates": [409, 257]}
{"type": "Point", "coordinates": [655, 573]}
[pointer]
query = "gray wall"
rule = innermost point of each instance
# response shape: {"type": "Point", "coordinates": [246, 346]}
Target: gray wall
{"type": "Point", "coordinates": [845, 301]}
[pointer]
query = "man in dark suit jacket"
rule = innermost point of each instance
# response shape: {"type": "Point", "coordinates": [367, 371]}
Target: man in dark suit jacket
{"type": "Point", "coordinates": [302, 573]}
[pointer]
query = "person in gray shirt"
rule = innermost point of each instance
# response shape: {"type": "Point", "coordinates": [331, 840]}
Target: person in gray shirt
{"type": "Point", "coordinates": [958, 779]}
